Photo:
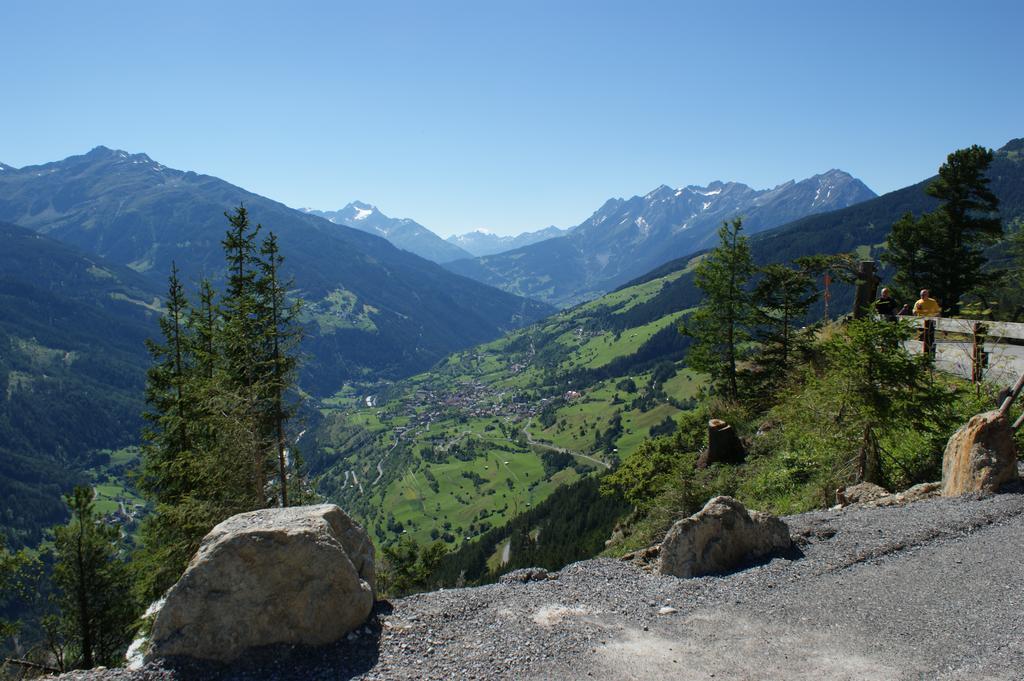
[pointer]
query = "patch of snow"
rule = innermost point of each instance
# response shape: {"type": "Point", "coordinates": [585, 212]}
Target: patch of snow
{"type": "Point", "coordinates": [710, 192]}
{"type": "Point", "coordinates": [363, 213]}
{"type": "Point", "coordinates": [706, 204]}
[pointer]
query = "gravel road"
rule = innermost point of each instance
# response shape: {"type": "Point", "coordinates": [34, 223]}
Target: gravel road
{"type": "Point", "coordinates": [931, 590]}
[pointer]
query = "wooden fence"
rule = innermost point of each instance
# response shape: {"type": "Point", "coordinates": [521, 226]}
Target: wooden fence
{"type": "Point", "coordinates": [974, 349]}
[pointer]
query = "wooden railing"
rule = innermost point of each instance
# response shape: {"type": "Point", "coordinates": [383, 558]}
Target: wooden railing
{"type": "Point", "coordinates": [974, 349]}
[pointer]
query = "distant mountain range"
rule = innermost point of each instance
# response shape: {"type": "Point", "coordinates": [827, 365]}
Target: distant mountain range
{"type": "Point", "coordinates": [627, 237]}
{"type": "Point", "coordinates": [481, 242]}
{"type": "Point", "coordinates": [372, 309]}
{"type": "Point", "coordinates": [407, 234]}
{"type": "Point", "coordinates": [411, 236]}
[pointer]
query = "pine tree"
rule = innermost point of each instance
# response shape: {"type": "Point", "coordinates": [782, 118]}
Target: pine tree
{"type": "Point", "coordinates": [943, 250]}
{"type": "Point", "coordinates": [218, 404]}
{"type": "Point", "coordinates": [93, 585]}
{"type": "Point", "coordinates": [171, 474]}
{"type": "Point", "coordinates": [782, 298]}
{"type": "Point", "coordinates": [283, 333]}
{"type": "Point", "coordinates": [167, 438]}
{"type": "Point", "coordinates": [14, 571]}
{"type": "Point", "coordinates": [721, 323]}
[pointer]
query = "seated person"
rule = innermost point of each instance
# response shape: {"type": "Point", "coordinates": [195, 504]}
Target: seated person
{"type": "Point", "coordinates": [886, 306]}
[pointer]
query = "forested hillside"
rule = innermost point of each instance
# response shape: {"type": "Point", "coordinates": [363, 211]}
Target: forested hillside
{"type": "Point", "coordinates": [72, 364]}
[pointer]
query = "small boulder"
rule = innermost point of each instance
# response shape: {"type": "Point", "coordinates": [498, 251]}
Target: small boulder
{"type": "Point", "coordinates": [300, 575]}
{"type": "Point", "coordinates": [920, 491]}
{"type": "Point", "coordinates": [525, 575]}
{"type": "Point", "coordinates": [720, 537]}
{"type": "Point", "coordinates": [860, 493]}
{"type": "Point", "coordinates": [980, 457]}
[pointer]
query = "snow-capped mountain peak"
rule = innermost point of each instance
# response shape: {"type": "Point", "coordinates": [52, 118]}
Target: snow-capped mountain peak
{"type": "Point", "coordinates": [402, 232]}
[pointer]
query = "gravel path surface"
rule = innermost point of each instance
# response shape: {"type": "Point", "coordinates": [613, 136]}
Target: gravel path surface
{"type": "Point", "coordinates": [931, 590]}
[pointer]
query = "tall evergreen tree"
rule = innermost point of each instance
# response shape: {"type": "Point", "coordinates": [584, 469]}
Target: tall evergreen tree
{"type": "Point", "coordinates": [782, 297]}
{"type": "Point", "coordinates": [167, 437]}
{"type": "Point", "coordinates": [93, 586]}
{"type": "Point", "coordinates": [283, 333]}
{"type": "Point", "coordinates": [721, 323]}
{"type": "Point", "coordinates": [944, 250]}
{"type": "Point", "coordinates": [218, 404]}
{"type": "Point", "coordinates": [13, 572]}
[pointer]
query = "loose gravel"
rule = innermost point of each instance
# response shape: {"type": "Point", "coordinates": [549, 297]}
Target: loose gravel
{"type": "Point", "coordinates": [931, 590]}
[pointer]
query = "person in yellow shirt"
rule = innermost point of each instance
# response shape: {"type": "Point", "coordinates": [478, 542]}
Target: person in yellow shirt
{"type": "Point", "coordinates": [927, 306]}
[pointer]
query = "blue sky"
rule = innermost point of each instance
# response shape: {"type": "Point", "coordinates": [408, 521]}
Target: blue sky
{"type": "Point", "coordinates": [516, 115]}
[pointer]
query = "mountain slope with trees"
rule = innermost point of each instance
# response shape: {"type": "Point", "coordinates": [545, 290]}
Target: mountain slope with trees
{"type": "Point", "coordinates": [72, 366]}
{"type": "Point", "coordinates": [373, 308]}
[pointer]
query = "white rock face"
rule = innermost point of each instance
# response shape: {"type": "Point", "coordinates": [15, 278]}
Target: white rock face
{"type": "Point", "coordinates": [719, 538]}
{"type": "Point", "coordinates": [300, 575]}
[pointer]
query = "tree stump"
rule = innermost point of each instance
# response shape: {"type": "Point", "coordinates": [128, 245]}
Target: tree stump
{"type": "Point", "coordinates": [724, 445]}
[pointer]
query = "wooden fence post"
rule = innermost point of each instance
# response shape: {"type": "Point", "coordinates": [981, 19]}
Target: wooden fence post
{"type": "Point", "coordinates": [928, 338]}
{"type": "Point", "coordinates": [979, 358]}
{"type": "Point", "coordinates": [1004, 408]}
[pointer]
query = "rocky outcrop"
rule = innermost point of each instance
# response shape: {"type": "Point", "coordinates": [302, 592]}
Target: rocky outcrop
{"type": "Point", "coordinates": [719, 538]}
{"type": "Point", "coordinates": [870, 494]}
{"type": "Point", "coordinates": [301, 575]}
{"type": "Point", "coordinates": [980, 457]}
{"type": "Point", "coordinates": [860, 493]}
{"type": "Point", "coordinates": [525, 575]}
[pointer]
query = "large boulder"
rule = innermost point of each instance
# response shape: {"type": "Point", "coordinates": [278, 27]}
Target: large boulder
{"type": "Point", "coordinates": [720, 537]}
{"type": "Point", "coordinates": [300, 575]}
{"type": "Point", "coordinates": [980, 457]}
